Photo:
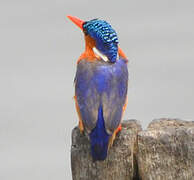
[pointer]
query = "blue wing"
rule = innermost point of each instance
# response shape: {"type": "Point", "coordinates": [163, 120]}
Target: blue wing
{"type": "Point", "coordinates": [99, 83]}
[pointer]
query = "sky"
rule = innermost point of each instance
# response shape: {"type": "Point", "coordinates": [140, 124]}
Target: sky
{"type": "Point", "coordinates": [39, 49]}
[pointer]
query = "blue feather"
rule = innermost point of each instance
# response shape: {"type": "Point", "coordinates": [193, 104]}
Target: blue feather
{"type": "Point", "coordinates": [99, 138]}
{"type": "Point", "coordinates": [101, 90]}
{"type": "Point", "coordinates": [105, 37]}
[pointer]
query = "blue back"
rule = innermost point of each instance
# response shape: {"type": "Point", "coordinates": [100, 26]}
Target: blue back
{"type": "Point", "coordinates": [101, 90]}
{"type": "Point", "coordinates": [99, 83]}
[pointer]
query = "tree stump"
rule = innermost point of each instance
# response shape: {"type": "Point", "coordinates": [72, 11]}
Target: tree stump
{"type": "Point", "coordinates": [166, 150]}
{"type": "Point", "coordinates": [120, 163]}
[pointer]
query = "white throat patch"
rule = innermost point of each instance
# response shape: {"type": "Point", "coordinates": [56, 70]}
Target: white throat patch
{"type": "Point", "coordinates": [98, 53]}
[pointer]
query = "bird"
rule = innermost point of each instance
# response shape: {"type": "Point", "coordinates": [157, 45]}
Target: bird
{"type": "Point", "coordinates": [101, 85]}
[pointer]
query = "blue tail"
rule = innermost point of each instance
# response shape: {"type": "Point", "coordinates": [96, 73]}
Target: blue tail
{"type": "Point", "coordinates": [99, 138]}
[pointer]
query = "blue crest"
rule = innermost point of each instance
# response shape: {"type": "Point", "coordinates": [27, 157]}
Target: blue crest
{"type": "Point", "coordinates": [105, 37]}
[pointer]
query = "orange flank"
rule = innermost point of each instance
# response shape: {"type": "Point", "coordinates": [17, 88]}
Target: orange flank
{"type": "Point", "coordinates": [81, 127]}
{"type": "Point", "coordinates": [125, 105]}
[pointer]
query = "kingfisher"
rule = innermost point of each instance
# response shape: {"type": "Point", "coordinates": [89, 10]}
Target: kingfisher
{"type": "Point", "coordinates": [101, 84]}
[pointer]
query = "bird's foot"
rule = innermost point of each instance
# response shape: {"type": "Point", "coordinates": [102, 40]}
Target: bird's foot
{"type": "Point", "coordinates": [118, 129]}
{"type": "Point", "coordinates": [112, 138]}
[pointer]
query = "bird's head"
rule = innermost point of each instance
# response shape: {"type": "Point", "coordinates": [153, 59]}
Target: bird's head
{"type": "Point", "coordinates": [99, 36]}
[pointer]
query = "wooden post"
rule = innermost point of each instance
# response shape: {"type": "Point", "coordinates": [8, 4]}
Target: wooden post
{"type": "Point", "coordinates": [166, 150]}
{"type": "Point", "coordinates": [121, 161]}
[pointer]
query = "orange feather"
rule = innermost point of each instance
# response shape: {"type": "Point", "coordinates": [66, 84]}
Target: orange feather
{"type": "Point", "coordinates": [121, 53]}
{"type": "Point", "coordinates": [81, 126]}
{"type": "Point", "coordinates": [88, 53]}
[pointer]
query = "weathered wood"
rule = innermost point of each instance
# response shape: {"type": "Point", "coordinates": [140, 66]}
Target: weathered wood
{"type": "Point", "coordinates": [121, 161]}
{"type": "Point", "coordinates": [166, 150]}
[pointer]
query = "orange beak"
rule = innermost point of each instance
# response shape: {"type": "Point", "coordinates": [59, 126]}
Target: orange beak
{"type": "Point", "coordinates": [77, 21]}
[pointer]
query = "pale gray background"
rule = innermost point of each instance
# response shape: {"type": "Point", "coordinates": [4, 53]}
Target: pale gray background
{"type": "Point", "coordinates": [38, 52]}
